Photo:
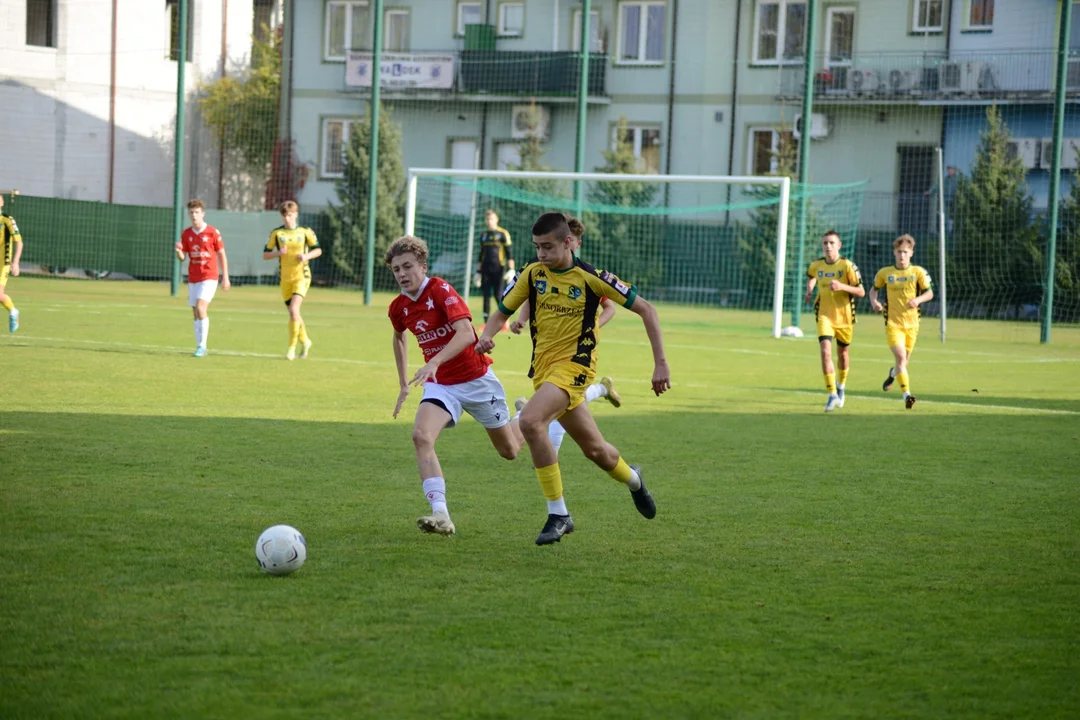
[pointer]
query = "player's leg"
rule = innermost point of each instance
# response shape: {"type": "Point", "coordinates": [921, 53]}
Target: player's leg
{"type": "Point", "coordinates": [892, 337]}
{"type": "Point", "coordinates": [486, 291]}
{"type": "Point", "coordinates": [604, 388]}
{"type": "Point", "coordinates": [305, 341]}
{"type": "Point", "coordinates": [905, 381]}
{"type": "Point", "coordinates": [825, 343]}
{"type": "Point", "coordinates": [294, 302]}
{"type": "Point", "coordinates": [842, 365]}
{"type": "Point", "coordinates": [485, 399]}
{"type": "Point", "coordinates": [196, 321]}
{"type": "Point", "coordinates": [549, 402]}
{"type": "Point", "coordinates": [899, 353]}
{"type": "Point", "coordinates": [437, 410]}
{"type": "Point", "coordinates": [6, 302]}
{"type": "Point", "coordinates": [581, 426]}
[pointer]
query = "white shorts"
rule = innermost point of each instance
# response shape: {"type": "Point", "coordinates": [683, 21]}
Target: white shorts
{"type": "Point", "coordinates": [201, 291]}
{"type": "Point", "coordinates": [483, 398]}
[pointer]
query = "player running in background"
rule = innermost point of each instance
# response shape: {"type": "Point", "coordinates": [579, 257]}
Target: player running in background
{"type": "Point", "coordinates": [11, 246]}
{"type": "Point", "coordinates": [496, 261]}
{"type": "Point", "coordinates": [205, 250]}
{"type": "Point", "coordinates": [565, 293]}
{"type": "Point", "coordinates": [455, 378]}
{"type": "Point", "coordinates": [907, 287]}
{"type": "Point", "coordinates": [606, 386]}
{"type": "Point", "coordinates": [838, 284]}
{"type": "Point", "coordinates": [295, 247]}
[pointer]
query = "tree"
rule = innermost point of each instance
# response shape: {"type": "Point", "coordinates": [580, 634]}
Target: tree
{"type": "Point", "coordinates": [994, 265]}
{"type": "Point", "coordinates": [1067, 263]}
{"type": "Point", "coordinates": [348, 221]}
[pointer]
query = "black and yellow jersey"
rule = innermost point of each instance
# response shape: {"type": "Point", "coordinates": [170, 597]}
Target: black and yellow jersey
{"type": "Point", "coordinates": [494, 250]}
{"type": "Point", "coordinates": [836, 306]}
{"type": "Point", "coordinates": [9, 235]}
{"type": "Point", "coordinates": [902, 285]}
{"type": "Point", "coordinates": [297, 240]}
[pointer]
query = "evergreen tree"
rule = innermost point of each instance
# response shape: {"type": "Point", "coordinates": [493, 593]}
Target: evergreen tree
{"type": "Point", "coordinates": [994, 267]}
{"type": "Point", "coordinates": [1067, 264]}
{"type": "Point", "coordinates": [348, 221]}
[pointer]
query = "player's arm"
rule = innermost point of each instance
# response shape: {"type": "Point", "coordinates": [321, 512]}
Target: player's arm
{"type": "Point", "coordinates": [856, 290]}
{"type": "Point", "coordinates": [606, 313]}
{"type": "Point", "coordinates": [274, 249]}
{"type": "Point", "coordinates": [522, 318]}
{"type": "Point", "coordinates": [509, 253]}
{"type": "Point", "coordinates": [223, 261]}
{"type": "Point", "coordinates": [877, 307]}
{"type": "Point", "coordinates": [514, 297]}
{"type": "Point", "coordinates": [809, 289]}
{"type": "Point", "coordinates": [661, 379]}
{"type": "Point", "coordinates": [925, 296]}
{"type": "Point", "coordinates": [16, 254]}
{"type": "Point", "coordinates": [462, 339]}
{"type": "Point", "coordinates": [401, 360]}
{"type": "Point", "coordinates": [179, 249]}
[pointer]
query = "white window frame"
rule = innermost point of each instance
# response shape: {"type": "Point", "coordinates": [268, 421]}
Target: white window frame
{"type": "Point", "coordinates": [968, 25]}
{"type": "Point", "coordinates": [408, 27]}
{"type": "Point", "coordinates": [917, 6]}
{"type": "Point", "coordinates": [500, 28]}
{"type": "Point", "coordinates": [324, 145]}
{"type": "Point", "coordinates": [829, 13]}
{"type": "Point", "coordinates": [459, 25]}
{"type": "Point", "coordinates": [781, 33]}
{"type": "Point", "coordinates": [349, 5]}
{"type": "Point", "coordinates": [499, 145]}
{"type": "Point", "coordinates": [774, 147]}
{"type": "Point", "coordinates": [575, 32]}
{"type": "Point", "coordinates": [643, 33]}
{"type": "Point", "coordinates": [637, 129]}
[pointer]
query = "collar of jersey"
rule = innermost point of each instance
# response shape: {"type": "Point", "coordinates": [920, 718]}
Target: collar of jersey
{"type": "Point", "coordinates": [418, 292]}
{"type": "Point", "coordinates": [566, 270]}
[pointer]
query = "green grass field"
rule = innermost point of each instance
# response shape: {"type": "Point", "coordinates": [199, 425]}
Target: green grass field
{"type": "Point", "coordinates": [875, 562]}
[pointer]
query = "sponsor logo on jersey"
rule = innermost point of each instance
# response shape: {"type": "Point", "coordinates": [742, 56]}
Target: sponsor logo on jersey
{"type": "Point", "coordinates": [574, 293]}
{"type": "Point", "coordinates": [541, 286]}
{"type": "Point", "coordinates": [452, 300]}
{"type": "Point", "coordinates": [439, 332]}
{"type": "Point", "coordinates": [422, 325]}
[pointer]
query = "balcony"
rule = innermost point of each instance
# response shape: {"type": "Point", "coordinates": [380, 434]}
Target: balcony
{"type": "Point", "coordinates": [932, 77]}
{"type": "Point", "coordinates": [516, 73]}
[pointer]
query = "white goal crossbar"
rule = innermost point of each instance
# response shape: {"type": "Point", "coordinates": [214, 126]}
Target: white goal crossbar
{"type": "Point", "coordinates": [781, 226]}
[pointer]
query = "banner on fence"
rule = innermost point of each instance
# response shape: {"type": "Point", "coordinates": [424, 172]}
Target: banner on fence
{"type": "Point", "coordinates": [402, 70]}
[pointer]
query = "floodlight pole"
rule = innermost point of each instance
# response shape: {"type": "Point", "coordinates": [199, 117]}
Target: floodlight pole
{"type": "Point", "coordinates": [804, 153]}
{"type": "Point", "coordinates": [582, 107]}
{"type": "Point", "coordinates": [1047, 309]}
{"type": "Point", "coordinates": [178, 159]}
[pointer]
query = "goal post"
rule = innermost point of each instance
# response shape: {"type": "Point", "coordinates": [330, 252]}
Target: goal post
{"type": "Point", "coordinates": [705, 240]}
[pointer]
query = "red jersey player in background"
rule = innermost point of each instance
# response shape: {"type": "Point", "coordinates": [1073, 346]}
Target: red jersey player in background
{"type": "Point", "coordinates": [455, 377]}
{"type": "Point", "coordinates": [204, 248]}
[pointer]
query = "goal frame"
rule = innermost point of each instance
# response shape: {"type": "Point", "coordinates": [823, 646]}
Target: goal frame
{"type": "Point", "coordinates": [784, 205]}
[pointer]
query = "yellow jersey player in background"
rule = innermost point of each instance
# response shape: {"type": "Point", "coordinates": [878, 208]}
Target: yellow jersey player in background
{"type": "Point", "coordinates": [564, 294]}
{"type": "Point", "coordinates": [838, 284]}
{"type": "Point", "coordinates": [907, 287]}
{"type": "Point", "coordinates": [295, 247]}
{"type": "Point", "coordinates": [11, 246]}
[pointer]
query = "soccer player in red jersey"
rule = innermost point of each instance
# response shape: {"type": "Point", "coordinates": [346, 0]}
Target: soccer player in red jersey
{"type": "Point", "coordinates": [455, 377]}
{"type": "Point", "coordinates": [204, 248]}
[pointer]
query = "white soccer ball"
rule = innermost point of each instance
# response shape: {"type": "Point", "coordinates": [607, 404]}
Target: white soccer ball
{"type": "Point", "coordinates": [280, 550]}
{"type": "Point", "coordinates": [791, 331]}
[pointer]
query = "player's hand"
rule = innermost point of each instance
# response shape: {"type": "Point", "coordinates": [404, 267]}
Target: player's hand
{"type": "Point", "coordinates": [484, 345]}
{"type": "Point", "coordinates": [178, 247]}
{"type": "Point", "coordinates": [401, 399]}
{"type": "Point", "coordinates": [661, 378]}
{"type": "Point", "coordinates": [913, 303]}
{"type": "Point", "coordinates": [876, 306]}
{"type": "Point", "coordinates": [225, 284]}
{"type": "Point", "coordinates": [807, 296]}
{"type": "Point", "coordinates": [834, 285]}
{"type": "Point", "coordinates": [423, 375]}
{"type": "Point", "coordinates": [301, 258]}
{"type": "Point", "coordinates": [476, 280]}
{"type": "Point", "coordinates": [517, 326]}
{"type": "Point", "coordinates": [14, 268]}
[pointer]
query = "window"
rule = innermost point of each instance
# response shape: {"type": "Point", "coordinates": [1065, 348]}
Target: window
{"type": "Point", "coordinates": [41, 23]}
{"type": "Point", "coordinates": [347, 28]}
{"type": "Point", "coordinates": [780, 31]}
{"type": "Point", "coordinates": [596, 45]}
{"type": "Point", "coordinates": [507, 154]}
{"type": "Point", "coordinates": [172, 10]}
{"type": "Point", "coordinates": [396, 31]}
{"type": "Point", "coordinates": [463, 156]}
{"type": "Point", "coordinates": [839, 36]}
{"type": "Point", "coordinates": [335, 138]}
{"type": "Point", "coordinates": [468, 13]}
{"type": "Point", "coordinates": [980, 13]}
{"type": "Point", "coordinates": [262, 20]}
{"type": "Point", "coordinates": [512, 18]}
{"type": "Point", "coordinates": [766, 145]}
{"type": "Point", "coordinates": [927, 16]}
{"type": "Point", "coordinates": [641, 32]}
{"type": "Point", "coordinates": [645, 142]}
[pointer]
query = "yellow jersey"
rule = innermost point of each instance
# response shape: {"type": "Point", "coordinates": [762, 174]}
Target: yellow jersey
{"type": "Point", "coordinates": [564, 310]}
{"type": "Point", "coordinates": [902, 286]}
{"type": "Point", "coordinates": [296, 241]}
{"type": "Point", "coordinates": [9, 235]}
{"type": "Point", "coordinates": [836, 306]}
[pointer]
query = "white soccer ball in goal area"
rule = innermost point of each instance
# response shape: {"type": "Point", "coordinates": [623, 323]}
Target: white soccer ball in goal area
{"type": "Point", "coordinates": [791, 331]}
{"type": "Point", "coordinates": [280, 550]}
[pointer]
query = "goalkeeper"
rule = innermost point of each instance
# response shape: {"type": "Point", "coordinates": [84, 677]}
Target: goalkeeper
{"type": "Point", "coordinates": [495, 266]}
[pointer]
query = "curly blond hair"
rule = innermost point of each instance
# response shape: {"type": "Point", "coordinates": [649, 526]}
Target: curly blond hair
{"type": "Point", "coordinates": [904, 240]}
{"type": "Point", "coordinates": [407, 244]}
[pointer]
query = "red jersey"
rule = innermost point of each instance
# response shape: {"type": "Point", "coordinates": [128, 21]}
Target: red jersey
{"type": "Point", "coordinates": [202, 248]}
{"type": "Point", "coordinates": [430, 317]}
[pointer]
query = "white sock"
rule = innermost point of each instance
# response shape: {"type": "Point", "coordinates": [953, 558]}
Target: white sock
{"type": "Point", "coordinates": [556, 433]}
{"type": "Point", "coordinates": [202, 332]}
{"type": "Point", "coordinates": [197, 323]}
{"type": "Point", "coordinates": [435, 490]}
{"type": "Point", "coordinates": [635, 480]}
{"type": "Point", "coordinates": [557, 507]}
{"type": "Point", "coordinates": [892, 372]}
{"type": "Point", "coordinates": [595, 392]}
{"type": "Point", "coordinates": [839, 387]}
{"type": "Point", "coordinates": [14, 312]}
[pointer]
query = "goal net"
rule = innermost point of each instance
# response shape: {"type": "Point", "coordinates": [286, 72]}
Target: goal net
{"type": "Point", "coordinates": [721, 241]}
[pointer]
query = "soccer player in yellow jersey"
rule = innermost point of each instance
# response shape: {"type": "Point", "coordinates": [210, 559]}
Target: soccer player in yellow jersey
{"type": "Point", "coordinates": [838, 284]}
{"type": "Point", "coordinates": [295, 247]}
{"type": "Point", "coordinates": [907, 287]}
{"type": "Point", "coordinates": [564, 294]}
{"type": "Point", "coordinates": [11, 246]}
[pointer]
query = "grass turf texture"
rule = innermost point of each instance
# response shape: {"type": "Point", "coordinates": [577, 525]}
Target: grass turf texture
{"type": "Point", "coordinates": [875, 562]}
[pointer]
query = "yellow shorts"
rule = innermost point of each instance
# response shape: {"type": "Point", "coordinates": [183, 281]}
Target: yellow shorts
{"type": "Point", "coordinates": [299, 287]}
{"type": "Point", "coordinates": [842, 335]}
{"type": "Point", "coordinates": [895, 336]}
{"type": "Point", "coordinates": [573, 378]}
{"type": "Point", "coordinates": [4, 270]}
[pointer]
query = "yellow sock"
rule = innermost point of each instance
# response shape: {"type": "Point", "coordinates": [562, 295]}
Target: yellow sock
{"type": "Point", "coordinates": [902, 378]}
{"type": "Point", "coordinates": [294, 331]}
{"type": "Point", "coordinates": [550, 478]}
{"type": "Point", "coordinates": [8, 304]}
{"type": "Point", "coordinates": [621, 471]}
{"type": "Point", "coordinates": [830, 383]}
{"type": "Point", "coordinates": [841, 376]}
{"type": "Point", "coordinates": [303, 332]}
